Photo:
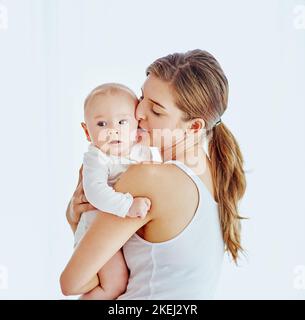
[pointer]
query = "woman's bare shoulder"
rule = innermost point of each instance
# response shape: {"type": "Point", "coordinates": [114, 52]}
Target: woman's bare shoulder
{"type": "Point", "coordinates": [151, 176]}
{"type": "Point", "coordinates": [165, 185]}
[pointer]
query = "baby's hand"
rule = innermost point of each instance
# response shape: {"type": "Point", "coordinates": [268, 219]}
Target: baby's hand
{"type": "Point", "coordinates": [139, 207]}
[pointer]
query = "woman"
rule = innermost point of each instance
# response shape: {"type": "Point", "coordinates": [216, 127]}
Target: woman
{"type": "Point", "coordinates": [176, 252]}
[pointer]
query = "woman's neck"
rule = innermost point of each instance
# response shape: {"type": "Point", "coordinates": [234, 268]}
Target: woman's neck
{"type": "Point", "coordinates": [192, 156]}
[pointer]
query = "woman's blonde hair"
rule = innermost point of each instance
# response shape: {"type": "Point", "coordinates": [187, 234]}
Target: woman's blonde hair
{"type": "Point", "coordinates": [200, 90]}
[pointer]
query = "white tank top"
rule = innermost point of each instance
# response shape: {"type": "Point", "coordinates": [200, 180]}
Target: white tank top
{"type": "Point", "coordinates": [185, 267]}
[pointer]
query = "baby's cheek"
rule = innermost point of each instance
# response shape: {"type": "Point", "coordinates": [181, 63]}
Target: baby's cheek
{"type": "Point", "coordinates": [102, 136]}
{"type": "Point", "coordinates": [99, 139]}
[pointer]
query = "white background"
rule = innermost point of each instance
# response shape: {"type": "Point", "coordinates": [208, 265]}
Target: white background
{"type": "Point", "coordinates": [53, 52]}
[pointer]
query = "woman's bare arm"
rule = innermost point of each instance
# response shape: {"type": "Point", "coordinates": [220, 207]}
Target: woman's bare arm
{"type": "Point", "coordinates": [78, 204]}
{"type": "Point", "coordinates": [108, 233]}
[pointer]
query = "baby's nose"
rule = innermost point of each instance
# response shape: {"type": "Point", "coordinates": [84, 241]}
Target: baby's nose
{"type": "Point", "coordinates": [111, 132]}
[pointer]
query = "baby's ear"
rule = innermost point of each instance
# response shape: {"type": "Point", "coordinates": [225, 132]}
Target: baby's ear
{"type": "Point", "coordinates": [84, 126]}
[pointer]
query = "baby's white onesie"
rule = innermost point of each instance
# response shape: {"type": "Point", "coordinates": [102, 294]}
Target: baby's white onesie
{"type": "Point", "coordinates": [100, 172]}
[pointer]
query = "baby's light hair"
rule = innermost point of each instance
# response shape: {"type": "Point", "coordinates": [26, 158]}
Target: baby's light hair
{"type": "Point", "coordinates": [109, 88]}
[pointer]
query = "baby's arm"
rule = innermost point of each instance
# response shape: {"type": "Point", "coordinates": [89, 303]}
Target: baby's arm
{"type": "Point", "coordinates": [113, 279]}
{"type": "Point", "coordinates": [104, 197]}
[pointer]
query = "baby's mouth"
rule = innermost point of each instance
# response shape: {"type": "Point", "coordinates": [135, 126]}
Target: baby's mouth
{"type": "Point", "coordinates": [115, 142]}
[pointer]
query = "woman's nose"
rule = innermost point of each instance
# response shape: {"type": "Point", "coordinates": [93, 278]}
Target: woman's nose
{"type": "Point", "coordinates": [140, 115]}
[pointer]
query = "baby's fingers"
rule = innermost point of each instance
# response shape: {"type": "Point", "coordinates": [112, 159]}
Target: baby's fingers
{"type": "Point", "coordinates": [142, 214]}
{"type": "Point", "coordinates": [148, 203]}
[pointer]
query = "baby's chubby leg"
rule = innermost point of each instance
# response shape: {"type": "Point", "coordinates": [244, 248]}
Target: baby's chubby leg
{"type": "Point", "coordinates": [113, 280]}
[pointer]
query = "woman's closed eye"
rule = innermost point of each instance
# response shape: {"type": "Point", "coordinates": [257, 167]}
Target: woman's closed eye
{"type": "Point", "coordinates": [155, 112]}
{"type": "Point", "coordinates": [152, 108]}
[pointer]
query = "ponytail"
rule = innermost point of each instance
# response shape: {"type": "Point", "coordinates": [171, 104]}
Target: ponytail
{"type": "Point", "coordinates": [229, 184]}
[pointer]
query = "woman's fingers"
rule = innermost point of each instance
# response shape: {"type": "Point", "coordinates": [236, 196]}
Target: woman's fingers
{"type": "Point", "coordinates": [79, 202]}
{"type": "Point", "coordinates": [79, 191]}
{"type": "Point", "coordinates": [80, 174]}
{"type": "Point", "coordinates": [148, 203]}
{"type": "Point", "coordinates": [78, 209]}
{"type": "Point", "coordinates": [85, 207]}
{"type": "Point", "coordinates": [84, 199]}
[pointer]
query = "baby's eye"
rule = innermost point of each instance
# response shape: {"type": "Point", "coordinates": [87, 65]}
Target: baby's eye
{"type": "Point", "coordinates": [102, 123]}
{"type": "Point", "coordinates": [141, 98]}
{"type": "Point", "coordinates": [124, 121]}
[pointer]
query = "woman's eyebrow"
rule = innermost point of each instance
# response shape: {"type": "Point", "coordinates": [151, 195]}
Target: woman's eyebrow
{"type": "Point", "coordinates": [153, 101]}
{"type": "Point", "coordinates": [157, 103]}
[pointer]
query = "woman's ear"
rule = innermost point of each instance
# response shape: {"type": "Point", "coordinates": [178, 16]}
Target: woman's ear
{"type": "Point", "coordinates": [84, 126]}
{"type": "Point", "coordinates": [196, 124]}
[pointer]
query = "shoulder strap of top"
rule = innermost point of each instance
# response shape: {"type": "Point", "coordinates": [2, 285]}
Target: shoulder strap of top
{"type": "Point", "coordinates": [200, 185]}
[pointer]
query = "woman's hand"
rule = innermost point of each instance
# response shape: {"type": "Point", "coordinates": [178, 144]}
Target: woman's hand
{"type": "Point", "coordinates": [78, 204]}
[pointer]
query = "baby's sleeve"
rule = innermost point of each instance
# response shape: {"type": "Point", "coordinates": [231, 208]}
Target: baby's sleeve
{"type": "Point", "coordinates": [96, 188]}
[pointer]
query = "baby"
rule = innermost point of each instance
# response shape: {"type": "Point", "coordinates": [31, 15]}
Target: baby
{"type": "Point", "coordinates": [111, 127]}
